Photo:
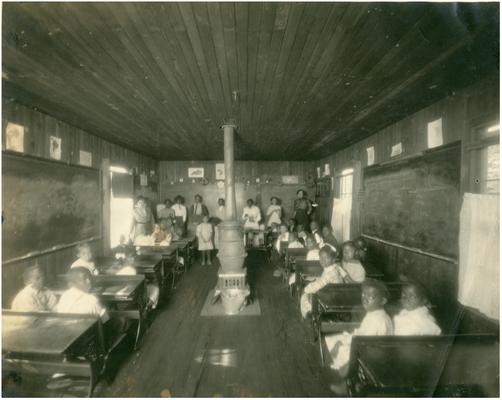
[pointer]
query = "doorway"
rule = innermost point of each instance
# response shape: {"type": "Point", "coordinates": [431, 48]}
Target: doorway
{"type": "Point", "coordinates": [121, 204]}
{"type": "Point", "coordinates": [342, 204]}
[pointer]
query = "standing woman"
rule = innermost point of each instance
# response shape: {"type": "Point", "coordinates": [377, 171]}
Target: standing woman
{"type": "Point", "coordinates": [142, 219]}
{"type": "Point", "coordinates": [274, 212]}
{"type": "Point", "coordinates": [302, 208]}
{"type": "Point", "coordinates": [180, 215]}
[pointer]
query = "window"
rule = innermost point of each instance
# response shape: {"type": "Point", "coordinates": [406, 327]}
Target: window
{"type": "Point", "coordinates": [121, 204]}
{"type": "Point", "coordinates": [484, 153]}
{"type": "Point", "coordinates": [343, 184]}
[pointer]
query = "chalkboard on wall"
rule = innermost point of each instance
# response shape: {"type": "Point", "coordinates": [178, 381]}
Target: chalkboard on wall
{"type": "Point", "coordinates": [415, 202]}
{"type": "Point", "coordinates": [47, 205]}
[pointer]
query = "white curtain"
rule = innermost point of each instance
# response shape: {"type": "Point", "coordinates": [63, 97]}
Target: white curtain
{"type": "Point", "coordinates": [479, 253]}
{"type": "Point", "coordinates": [340, 218]}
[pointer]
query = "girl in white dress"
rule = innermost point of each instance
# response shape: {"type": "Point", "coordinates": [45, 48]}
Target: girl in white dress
{"type": "Point", "coordinates": [274, 212]}
{"type": "Point", "coordinates": [205, 239]}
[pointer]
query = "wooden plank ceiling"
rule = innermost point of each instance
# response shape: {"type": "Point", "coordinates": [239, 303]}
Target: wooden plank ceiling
{"type": "Point", "coordinates": [309, 78]}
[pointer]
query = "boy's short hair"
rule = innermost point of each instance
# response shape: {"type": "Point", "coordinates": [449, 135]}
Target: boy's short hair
{"type": "Point", "coordinates": [28, 272]}
{"type": "Point", "coordinates": [82, 246]}
{"type": "Point", "coordinates": [419, 288]}
{"type": "Point", "coordinates": [276, 199]}
{"type": "Point", "coordinates": [328, 251]}
{"type": "Point", "coordinates": [309, 237]}
{"type": "Point", "coordinates": [361, 240]}
{"type": "Point", "coordinates": [349, 243]}
{"type": "Point", "coordinates": [328, 227]}
{"type": "Point", "coordinates": [74, 275]}
{"type": "Point", "coordinates": [378, 285]}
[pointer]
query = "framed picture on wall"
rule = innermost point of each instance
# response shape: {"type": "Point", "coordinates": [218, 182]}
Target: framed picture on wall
{"type": "Point", "coordinates": [220, 171]}
{"type": "Point", "coordinates": [196, 172]}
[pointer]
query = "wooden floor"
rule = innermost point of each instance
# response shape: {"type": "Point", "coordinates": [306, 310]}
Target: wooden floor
{"type": "Point", "coordinates": [186, 355]}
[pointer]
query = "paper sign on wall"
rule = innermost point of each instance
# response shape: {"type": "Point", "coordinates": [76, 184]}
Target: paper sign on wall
{"type": "Point", "coordinates": [196, 172]}
{"type": "Point", "coordinates": [396, 149]}
{"type": "Point", "coordinates": [370, 152]}
{"type": "Point", "coordinates": [143, 180]}
{"type": "Point", "coordinates": [220, 171]}
{"type": "Point", "coordinates": [290, 179]}
{"type": "Point", "coordinates": [85, 158]}
{"type": "Point", "coordinates": [14, 137]}
{"type": "Point", "coordinates": [318, 172]}
{"type": "Point", "coordinates": [435, 133]}
{"type": "Point", "coordinates": [326, 169]}
{"type": "Point", "coordinates": [55, 147]}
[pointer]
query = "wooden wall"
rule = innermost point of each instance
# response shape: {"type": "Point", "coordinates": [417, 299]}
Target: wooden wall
{"type": "Point", "coordinates": [170, 173]}
{"type": "Point", "coordinates": [460, 113]}
{"type": "Point", "coordinates": [38, 128]}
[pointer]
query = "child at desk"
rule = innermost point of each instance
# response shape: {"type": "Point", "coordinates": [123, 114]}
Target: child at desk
{"type": "Point", "coordinates": [332, 273]}
{"type": "Point", "coordinates": [205, 239]}
{"type": "Point", "coordinates": [312, 255]}
{"type": "Point", "coordinates": [302, 234]}
{"type": "Point", "coordinates": [152, 288]}
{"type": "Point", "coordinates": [415, 317]}
{"type": "Point", "coordinates": [294, 243]}
{"type": "Point", "coordinates": [84, 254]}
{"type": "Point", "coordinates": [161, 237]}
{"type": "Point", "coordinates": [78, 300]}
{"type": "Point", "coordinates": [291, 225]}
{"type": "Point", "coordinates": [376, 322]}
{"type": "Point", "coordinates": [351, 264]}
{"type": "Point", "coordinates": [276, 253]}
{"type": "Point", "coordinates": [34, 296]}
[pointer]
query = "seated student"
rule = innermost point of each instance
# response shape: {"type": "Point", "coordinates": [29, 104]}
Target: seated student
{"type": "Point", "coordinates": [283, 237]}
{"type": "Point", "coordinates": [152, 288]}
{"type": "Point", "coordinates": [352, 265]}
{"type": "Point", "coordinates": [291, 225]}
{"type": "Point", "coordinates": [78, 300]}
{"type": "Point", "coordinates": [84, 255]}
{"type": "Point", "coordinates": [312, 255]}
{"type": "Point", "coordinates": [361, 249]}
{"type": "Point", "coordinates": [376, 322]}
{"type": "Point", "coordinates": [332, 273]}
{"type": "Point", "coordinates": [415, 317]}
{"type": "Point", "coordinates": [314, 229]}
{"type": "Point", "coordinates": [329, 238]}
{"type": "Point", "coordinates": [302, 234]}
{"type": "Point", "coordinates": [35, 296]}
{"type": "Point", "coordinates": [160, 236]}
{"type": "Point", "coordinates": [294, 243]}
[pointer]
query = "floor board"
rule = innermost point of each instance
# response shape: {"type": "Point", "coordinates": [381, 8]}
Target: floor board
{"type": "Point", "coordinates": [186, 355]}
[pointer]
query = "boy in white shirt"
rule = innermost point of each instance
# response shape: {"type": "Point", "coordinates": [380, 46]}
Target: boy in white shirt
{"type": "Point", "coordinates": [332, 273]}
{"type": "Point", "coordinates": [34, 296]}
{"type": "Point", "coordinates": [314, 228]}
{"type": "Point", "coordinates": [294, 243]}
{"type": "Point", "coordinates": [415, 317]}
{"type": "Point", "coordinates": [84, 255]}
{"type": "Point", "coordinates": [351, 264]}
{"type": "Point", "coordinates": [376, 322]}
{"type": "Point", "coordinates": [78, 300]}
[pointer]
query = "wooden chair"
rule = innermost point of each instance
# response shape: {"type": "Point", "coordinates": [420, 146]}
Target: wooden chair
{"type": "Point", "coordinates": [465, 365]}
{"type": "Point", "coordinates": [305, 271]}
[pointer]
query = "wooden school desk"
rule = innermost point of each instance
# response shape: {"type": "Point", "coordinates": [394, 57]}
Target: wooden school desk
{"type": "Point", "coordinates": [46, 343]}
{"type": "Point", "coordinates": [122, 295]}
{"type": "Point", "coordinates": [446, 366]}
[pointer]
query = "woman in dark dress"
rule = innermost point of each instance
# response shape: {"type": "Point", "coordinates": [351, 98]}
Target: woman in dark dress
{"type": "Point", "coordinates": [303, 208]}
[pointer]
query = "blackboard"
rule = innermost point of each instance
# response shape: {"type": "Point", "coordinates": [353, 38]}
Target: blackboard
{"type": "Point", "coordinates": [47, 205]}
{"type": "Point", "coordinates": [415, 202]}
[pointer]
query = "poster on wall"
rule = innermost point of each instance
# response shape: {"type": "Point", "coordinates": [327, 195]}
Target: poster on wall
{"type": "Point", "coordinates": [55, 147]}
{"type": "Point", "coordinates": [318, 172]}
{"type": "Point", "coordinates": [370, 152]}
{"type": "Point", "coordinates": [196, 172]}
{"type": "Point", "coordinates": [143, 180]}
{"type": "Point", "coordinates": [290, 179]}
{"type": "Point", "coordinates": [220, 171]}
{"type": "Point", "coordinates": [14, 137]}
{"type": "Point", "coordinates": [396, 149]}
{"type": "Point", "coordinates": [435, 133]}
{"type": "Point", "coordinates": [85, 158]}
{"type": "Point", "coordinates": [326, 170]}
